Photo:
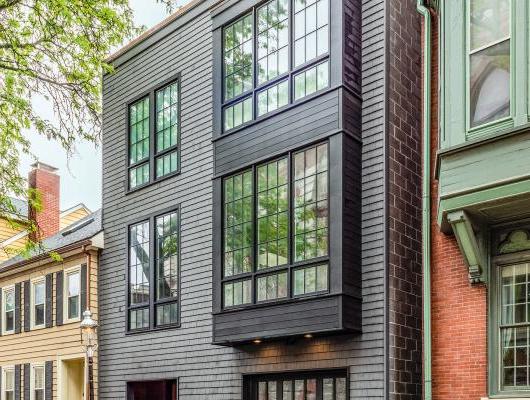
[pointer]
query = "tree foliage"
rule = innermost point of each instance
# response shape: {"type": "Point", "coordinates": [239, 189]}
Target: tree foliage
{"type": "Point", "coordinates": [53, 51]}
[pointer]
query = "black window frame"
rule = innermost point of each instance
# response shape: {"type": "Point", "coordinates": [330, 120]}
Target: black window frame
{"type": "Point", "coordinates": [153, 303]}
{"type": "Point", "coordinates": [289, 75]}
{"type": "Point", "coordinates": [291, 265]}
{"type": "Point", "coordinates": [251, 381]}
{"type": "Point", "coordinates": [153, 155]}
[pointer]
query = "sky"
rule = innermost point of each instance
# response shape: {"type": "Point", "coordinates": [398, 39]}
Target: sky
{"type": "Point", "coordinates": [81, 173]}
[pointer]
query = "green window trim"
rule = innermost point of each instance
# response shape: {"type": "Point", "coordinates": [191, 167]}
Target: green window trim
{"type": "Point", "coordinates": [262, 228]}
{"type": "Point", "coordinates": [154, 124]}
{"type": "Point", "coordinates": [273, 59]}
{"type": "Point", "coordinates": [455, 74]}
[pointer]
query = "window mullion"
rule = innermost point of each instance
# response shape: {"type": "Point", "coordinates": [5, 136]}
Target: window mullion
{"type": "Point", "coordinates": [254, 234]}
{"type": "Point", "coordinates": [152, 260]}
{"type": "Point", "coordinates": [152, 149]}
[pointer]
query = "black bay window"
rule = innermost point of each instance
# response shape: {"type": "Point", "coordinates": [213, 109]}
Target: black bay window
{"type": "Point", "coordinates": [273, 56]}
{"type": "Point", "coordinates": [154, 272]}
{"type": "Point", "coordinates": [275, 229]}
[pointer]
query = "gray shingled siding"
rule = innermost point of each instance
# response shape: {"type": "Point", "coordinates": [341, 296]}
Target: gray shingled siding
{"type": "Point", "coordinates": [206, 371]}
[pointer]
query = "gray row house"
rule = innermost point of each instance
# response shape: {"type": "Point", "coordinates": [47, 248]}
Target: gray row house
{"type": "Point", "coordinates": [262, 204]}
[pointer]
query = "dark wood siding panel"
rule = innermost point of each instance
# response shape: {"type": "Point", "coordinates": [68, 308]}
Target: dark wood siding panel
{"type": "Point", "coordinates": [18, 307]}
{"type": "Point", "coordinates": [48, 380]}
{"type": "Point", "coordinates": [49, 300]}
{"type": "Point", "coordinates": [299, 125]}
{"type": "Point", "coordinates": [27, 381]}
{"type": "Point", "coordinates": [59, 289]}
{"type": "Point", "coordinates": [352, 44]}
{"type": "Point", "coordinates": [18, 381]}
{"type": "Point", "coordinates": [27, 306]}
{"type": "Point", "coordinates": [83, 292]}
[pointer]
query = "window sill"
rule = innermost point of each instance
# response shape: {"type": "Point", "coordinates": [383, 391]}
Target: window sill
{"type": "Point", "coordinates": [36, 328]}
{"type": "Point", "coordinates": [149, 184]}
{"type": "Point", "coordinates": [71, 321]}
{"type": "Point", "coordinates": [152, 330]}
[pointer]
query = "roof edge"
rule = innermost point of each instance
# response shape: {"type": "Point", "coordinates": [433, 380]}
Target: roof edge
{"type": "Point", "coordinates": [151, 31]}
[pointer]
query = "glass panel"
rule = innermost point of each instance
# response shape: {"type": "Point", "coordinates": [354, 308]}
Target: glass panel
{"type": "Point", "coordinates": [299, 390]}
{"type": "Point", "coordinates": [73, 307]}
{"type": "Point", "coordinates": [272, 286]}
{"type": "Point", "coordinates": [311, 205]}
{"type": "Point", "coordinates": [139, 263]}
{"type": "Point", "coordinates": [327, 389]}
{"type": "Point", "coordinates": [39, 314]}
{"type": "Point", "coordinates": [273, 39]}
{"type": "Point", "coordinates": [310, 30]}
{"type": "Point", "coordinates": [138, 175]}
{"type": "Point", "coordinates": [38, 303]}
{"type": "Point", "coordinates": [139, 131]}
{"type": "Point", "coordinates": [166, 164]}
{"type": "Point", "coordinates": [272, 214]}
{"type": "Point", "coordinates": [340, 389]}
{"type": "Point", "coordinates": [273, 98]}
{"type": "Point", "coordinates": [167, 117]}
{"type": "Point", "coordinates": [10, 380]}
{"type": "Point", "coordinates": [167, 314]}
{"type": "Point", "coordinates": [262, 391]}
{"type": "Point", "coordinates": [310, 279]}
{"type": "Point", "coordinates": [490, 84]}
{"type": "Point", "coordinates": [10, 321]}
{"type": "Point", "coordinates": [272, 389]}
{"type": "Point", "coordinates": [73, 280]}
{"type": "Point", "coordinates": [237, 293]}
{"type": "Point", "coordinates": [311, 389]}
{"type": "Point", "coordinates": [38, 375]}
{"type": "Point", "coordinates": [238, 208]}
{"type": "Point", "coordinates": [139, 318]}
{"type": "Point", "coordinates": [238, 55]}
{"type": "Point", "coordinates": [167, 256]}
{"type": "Point", "coordinates": [311, 80]}
{"type": "Point", "coordinates": [238, 114]}
{"type": "Point", "coordinates": [287, 390]}
{"type": "Point", "coordinates": [490, 22]}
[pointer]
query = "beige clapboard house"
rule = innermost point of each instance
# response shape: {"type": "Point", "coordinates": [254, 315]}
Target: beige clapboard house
{"type": "Point", "coordinates": [42, 300]}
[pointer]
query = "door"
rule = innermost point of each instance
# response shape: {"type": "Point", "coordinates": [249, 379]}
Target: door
{"type": "Point", "coordinates": [73, 379]}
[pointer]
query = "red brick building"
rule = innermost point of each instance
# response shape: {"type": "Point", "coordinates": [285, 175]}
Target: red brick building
{"type": "Point", "coordinates": [476, 330]}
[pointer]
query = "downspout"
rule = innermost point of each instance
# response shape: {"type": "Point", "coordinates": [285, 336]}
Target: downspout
{"type": "Point", "coordinates": [426, 199]}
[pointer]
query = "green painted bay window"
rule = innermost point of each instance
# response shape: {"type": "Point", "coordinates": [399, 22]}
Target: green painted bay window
{"type": "Point", "coordinates": [275, 219]}
{"type": "Point", "coordinates": [260, 57]}
{"type": "Point", "coordinates": [154, 155]}
{"type": "Point", "coordinates": [489, 61]}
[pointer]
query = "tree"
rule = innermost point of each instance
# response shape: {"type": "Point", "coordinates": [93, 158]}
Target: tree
{"type": "Point", "coordinates": [53, 49]}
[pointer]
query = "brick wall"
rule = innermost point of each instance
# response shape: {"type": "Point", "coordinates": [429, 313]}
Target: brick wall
{"type": "Point", "coordinates": [459, 310]}
{"type": "Point", "coordinates": [404, 201]}
{"type": "Point", "coordinates": [45, 179]}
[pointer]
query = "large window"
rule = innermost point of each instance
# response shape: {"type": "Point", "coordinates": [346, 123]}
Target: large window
{"type": "Point", "coordinates": [154, 155]}
{"type": "Point", "coordinates": [275, 224]}
{"type": "Point", "coordinates": [37, 382]}
{"type": "Point", "coordinates": [514, 327]}
{"type": "Point", "coordinates": [260, 57]}
{"type": "Point", "coordinates": [489, 61]}
{"type": "Point", "coordinates": [8, 383]}
{"type": "Point", "coordinates": [38, 300]}
{"type": "Point", "coordinates": [303, 386]}
{"type": "Point", "coordinates": [162, 267]}
{"type": "Point", "coordinates": [72, 293]}
{"type": "Point", "coordinates": [8, 310]}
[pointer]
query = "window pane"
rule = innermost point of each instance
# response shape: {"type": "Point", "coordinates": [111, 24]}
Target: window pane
{"type": "Point", "coordinates": [490, 84]}
{"type": "Point", "coordinates": [287, 390]}
{"type": "Point", "coordinates": [238, 208]}
{"type": "Point", "coordinates": [10, 379]}
{"type": "Point", "coordinates": [327, 389]}
{"type": "Point", "coordinates": [311, 203]}
{"type": "Point", "coordinates": [238, 114]}
{"type": "Point", "coordinates": [272, 214]}
{"type": "Point", "coordinates": [139, 131]}
{"type": "Point", "coordinates": [139, 318]}
{"type": "Point", "coordinates": [167, 117]}
{"type": "Point", "coordinates": [10, 321]}
{"type": "Point", "coordinates": [310, 279]}
{"type": "Point", "coordinates": [272, 287]}
{"type": "Point", "coordinates": [167, 314]}
{"type": "Point", "coordinates": [238, 57]}
{"type": "Point", "coordinates": [38, 375]}
{"type": "Point", "coordinates": [73, 307]}
{"type": "Point", "coordinates": [311, 389]}
{"type": "Point", "coordinates": [273, 34]}
{"type": "Point", "coordinates": [139, 175]}
{"type": "Point", "coordinates": [341, 388]}
{"type": "Point", "coordinates": [237, 293]}
{"type": "Point", "coordinates": [139, 270]}
{"type": "Point", "coordinates": [39, 293]}
{"type": "Point", "coordinates": [310, 30]}
{"type": "Point", "coordinates": [39, 314]}
{"type": "Point", "coordinates": [490, 21]}
{"type": "Point", "coordinates": [311, 80]}
{"type": "Point", "coordinates": [167, 249]}
{"type": "Point", "coordinates": [9, 300]}
{"type": "Point", "coordinates": [166, 164]}
{"type": "Point", "coordinates": [273, 98]}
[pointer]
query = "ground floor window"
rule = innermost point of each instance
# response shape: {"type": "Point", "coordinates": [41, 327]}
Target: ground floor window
{"type": "Point", "coordinates": [321, 385]}
{"type": "Point", "coordinates": [150, 390]}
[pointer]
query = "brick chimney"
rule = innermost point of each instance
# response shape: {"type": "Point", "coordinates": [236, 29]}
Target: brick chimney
{"type": "Point", "coordinates": [44, 178]}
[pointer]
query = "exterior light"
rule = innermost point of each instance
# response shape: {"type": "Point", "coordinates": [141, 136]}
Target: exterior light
{"type": "Point", "coordinates": [257, 341]}
{"type": "Point", "coordinates": [89, 342]}
{"type": "Point", "coordinates": [308, 336]}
